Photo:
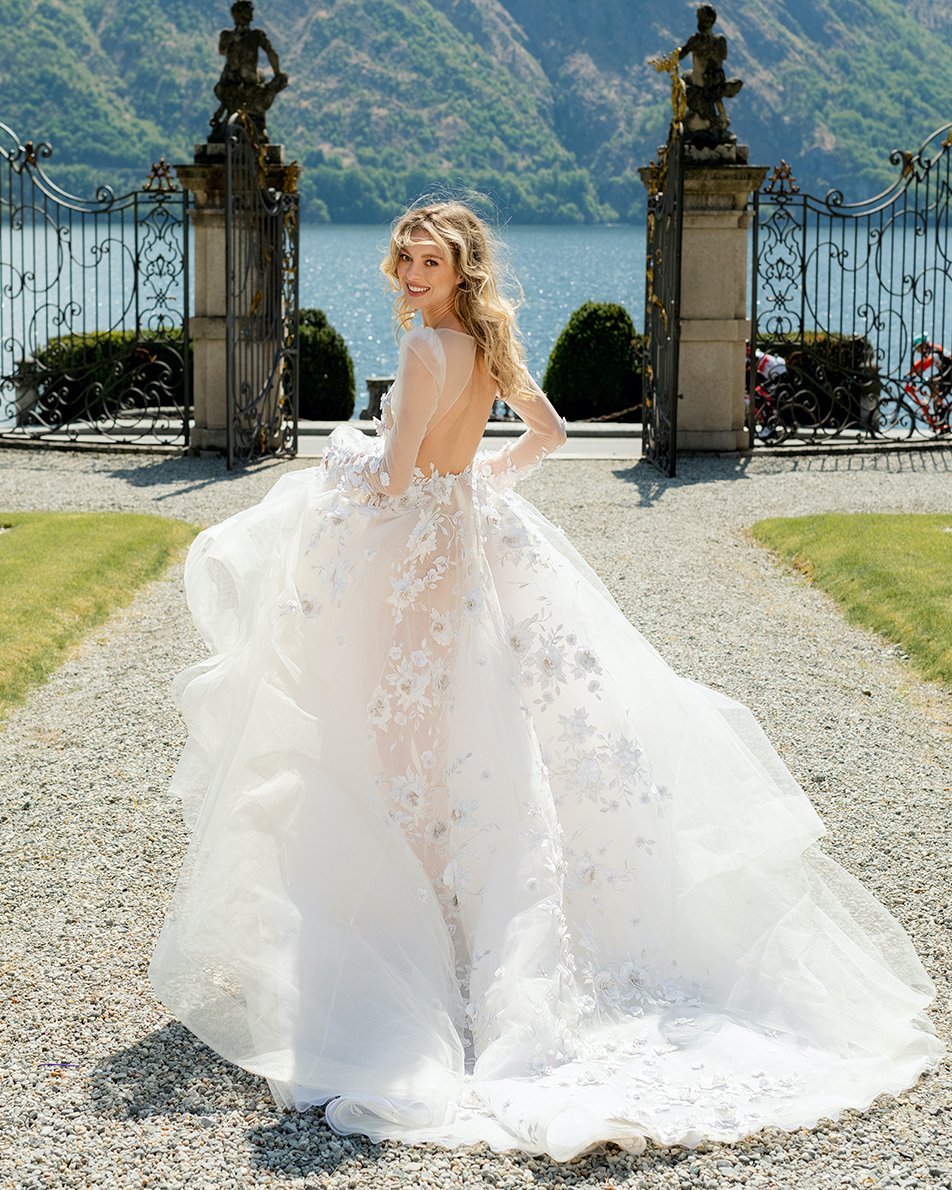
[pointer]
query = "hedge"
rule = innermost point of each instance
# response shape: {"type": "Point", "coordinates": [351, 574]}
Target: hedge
{"type": "Point", "coordinates": [102, 373]}
{"type": "Point", "coordinates": [831, 380]}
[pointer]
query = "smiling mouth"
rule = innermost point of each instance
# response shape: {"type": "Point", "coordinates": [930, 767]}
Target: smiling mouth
{"type": "Point", "coordinates": [417, 291]}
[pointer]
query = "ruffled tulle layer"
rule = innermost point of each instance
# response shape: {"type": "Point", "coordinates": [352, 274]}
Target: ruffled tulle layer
{"type": "Point", "coordinates": [469, 862]}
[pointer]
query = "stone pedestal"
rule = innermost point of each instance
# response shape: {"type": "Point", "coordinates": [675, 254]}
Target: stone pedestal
{"type": "Point", "coordinates": [205, 178]}
{"type": "Point", "coordinates": [714, 323]}
{"type": "Point", "coordinates": [376, 387]}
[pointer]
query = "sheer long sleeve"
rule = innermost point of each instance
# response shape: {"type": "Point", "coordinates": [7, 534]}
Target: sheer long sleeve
{"type": "Point", "coordinates": [416, 390]}
{"type": "Point", "coordinates": [545, 432]}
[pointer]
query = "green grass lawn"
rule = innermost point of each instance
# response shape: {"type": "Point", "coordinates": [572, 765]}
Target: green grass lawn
{"type": "Point", "coordinates": [888, 572]}
{"type": "Point", "coordinates": [61, 574]}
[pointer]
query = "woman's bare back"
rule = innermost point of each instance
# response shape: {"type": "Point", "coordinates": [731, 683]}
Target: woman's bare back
{"type": "Point", "coordinates": [455, 432]}
{"type": "Point", "coordinates": [437, 410]}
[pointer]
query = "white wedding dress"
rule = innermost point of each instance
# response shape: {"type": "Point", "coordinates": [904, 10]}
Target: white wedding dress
{"type": "Point", "coordinates": [469, 862]}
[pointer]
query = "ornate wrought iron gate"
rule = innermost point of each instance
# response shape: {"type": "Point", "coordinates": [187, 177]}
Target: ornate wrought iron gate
{"type": "Point", "coordinates": [663, 306]}
{"type": "Point", "coordinates": [261, 247]}
{"type": "Point", "coordinates": [93, 307]}
{"type": "Point", "coordinates": [856, 298]}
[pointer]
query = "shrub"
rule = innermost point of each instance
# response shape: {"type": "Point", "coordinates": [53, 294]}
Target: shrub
{"type": "Point", "coordinates": [832, 380]}
{"type": "Point", "coordinates": [595, 365]}
{"type": "Point", "coordinates": [326, 390]}
{"type": "Point", "coordinates": [102, 374]}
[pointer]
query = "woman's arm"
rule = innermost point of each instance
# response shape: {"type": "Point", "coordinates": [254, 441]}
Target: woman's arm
{"type": "Point", "coordinates": [417, 388]}
{"type": "Point", "coordinates": [544, 433]}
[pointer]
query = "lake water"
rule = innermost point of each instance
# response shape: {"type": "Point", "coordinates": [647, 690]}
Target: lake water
{"type": "Point", "coordinates": [886, 285]}
{"type": "Point", "coordinates": [889, 287]}
{"type": "Point", "coordinates": [559, 268]}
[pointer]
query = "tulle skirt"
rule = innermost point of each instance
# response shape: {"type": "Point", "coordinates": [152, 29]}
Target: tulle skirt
{"type": "Point", "coordinates": [469, 862]}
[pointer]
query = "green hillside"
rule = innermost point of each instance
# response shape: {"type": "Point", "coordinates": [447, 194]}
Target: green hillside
{"type": "Point", "coordinates": [547, 105]}
{"type": "Point", "coordinates": [832, 86]}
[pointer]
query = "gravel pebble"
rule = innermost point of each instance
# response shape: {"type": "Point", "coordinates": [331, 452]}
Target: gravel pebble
{"type": "Point", "coordinates": [101, 1089]}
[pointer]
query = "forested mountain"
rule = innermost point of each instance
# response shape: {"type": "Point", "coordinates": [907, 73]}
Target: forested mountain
{"type": "Point", "coordinates": [549, 105]}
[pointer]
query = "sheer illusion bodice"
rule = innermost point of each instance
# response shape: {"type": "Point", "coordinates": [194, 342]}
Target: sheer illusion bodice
{"type": "Point", "coordinates": [435, 414]}
{"type": "Point", "coordinates": [469, 862]}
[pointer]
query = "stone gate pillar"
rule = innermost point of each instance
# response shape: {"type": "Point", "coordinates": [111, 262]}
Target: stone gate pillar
{"type": "Point", "coordinates": [718, 183]}
{"type": "Point", "coordinates": [205, 178]}
{"type": "Point", "coordinates": [714, 322]}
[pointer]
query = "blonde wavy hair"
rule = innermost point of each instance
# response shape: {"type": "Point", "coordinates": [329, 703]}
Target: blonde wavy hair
{"type": "Point", "coordinates": [485, 312]}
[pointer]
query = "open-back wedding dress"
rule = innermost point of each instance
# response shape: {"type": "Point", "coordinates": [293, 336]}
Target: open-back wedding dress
{"type": "Point", "coordinates": [469, 862]}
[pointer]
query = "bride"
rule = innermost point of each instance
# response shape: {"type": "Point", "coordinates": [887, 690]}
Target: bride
{"type": "Point", "coordinates": [468, 861]}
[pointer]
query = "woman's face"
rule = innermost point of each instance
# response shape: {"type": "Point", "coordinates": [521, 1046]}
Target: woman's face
{"type": "Point", "coordinates": [428, 279]}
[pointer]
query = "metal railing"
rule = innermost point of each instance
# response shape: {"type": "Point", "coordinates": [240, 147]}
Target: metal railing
{"type": "Point", "coordinates": [94, 340]}
{"type": "Point", "coordinates": [853, 303]}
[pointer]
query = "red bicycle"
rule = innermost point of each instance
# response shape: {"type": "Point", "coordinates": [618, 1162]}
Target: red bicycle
{"type": "Point", "coordinates": [931, 395]}
{"type": "Point", "coordinates": [931, 398]}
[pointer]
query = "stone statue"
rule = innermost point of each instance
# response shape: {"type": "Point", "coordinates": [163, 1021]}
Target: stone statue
{"type": "Point", "coordinates": [706, 123]}
{"type": "Point", "coordinates": [242, 86]}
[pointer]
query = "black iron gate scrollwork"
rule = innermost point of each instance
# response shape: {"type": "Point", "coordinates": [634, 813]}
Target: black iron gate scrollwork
{"type": "Point", "coordinates": [663, 307]}
{"type": "Point", "coordinates": [852, 307]}
{"type": "Point", "coordinates": [261, 266]}
{"type": "Point", "coordinates": [665, 182]}
{"type": "Point", "coordinates": [94, 343]}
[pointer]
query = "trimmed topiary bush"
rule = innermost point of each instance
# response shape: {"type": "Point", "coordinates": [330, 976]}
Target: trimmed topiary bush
{"type": "Point", "coordinates": [595, 366]}
{"type": "Point", "coordinates": [326, 389]}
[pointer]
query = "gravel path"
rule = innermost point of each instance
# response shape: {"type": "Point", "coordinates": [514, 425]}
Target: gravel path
{"type": "Point", "coordinates": [101, 1089]}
